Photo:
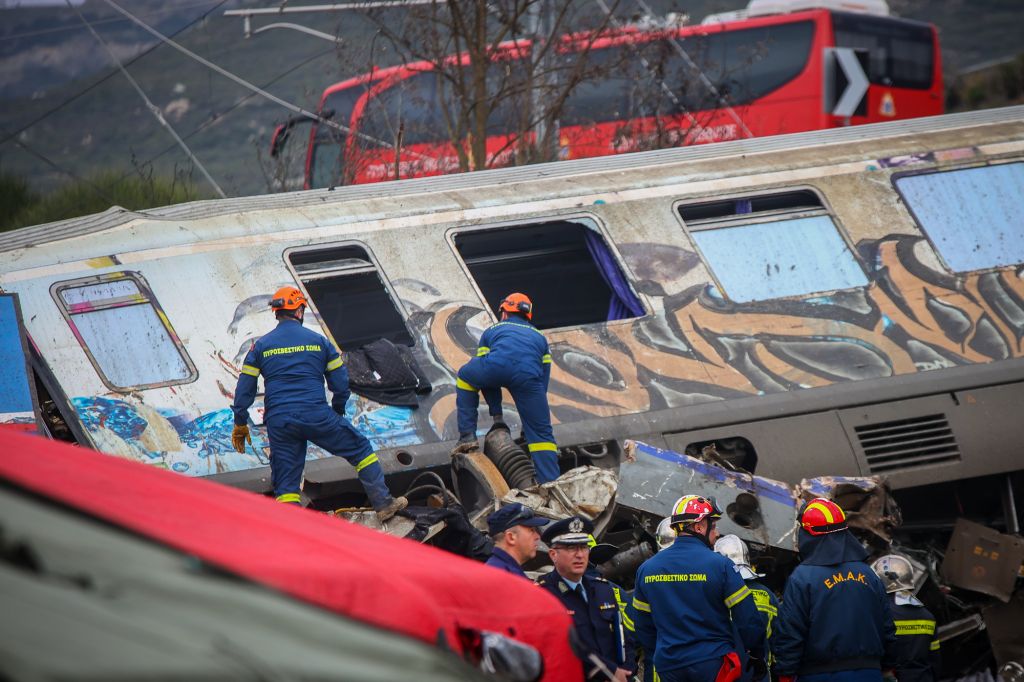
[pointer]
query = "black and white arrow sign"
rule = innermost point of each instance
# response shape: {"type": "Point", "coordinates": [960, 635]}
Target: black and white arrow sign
{"type": "Point", "coordinates": [846, 81]}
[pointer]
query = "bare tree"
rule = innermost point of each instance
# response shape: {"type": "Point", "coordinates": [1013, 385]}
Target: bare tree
{"type": "Point", "coordinates": [499, 70]}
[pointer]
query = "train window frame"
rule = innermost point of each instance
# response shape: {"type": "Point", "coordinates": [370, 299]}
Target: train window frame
{"type": "Point", "coordinates": [452, 233]}
{"type": "Point", "coordinates": [915, 217]}
{"type": "Point", "coordinates": [382, 276]}
{"type": "Point", "coordinates": [824, 209]}
{"type": "Point", "coordinates": [145, 297]}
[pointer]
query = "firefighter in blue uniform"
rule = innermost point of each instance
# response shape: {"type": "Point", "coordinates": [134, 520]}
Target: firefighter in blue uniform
{"type": "Point", "coordinates": [513, 354]}
{"type": "Point", "coordinates": [834, 624]}
{"type": "Point", "coordinates": [734, 549]}
{"type": "Point", "coordinates": [294, 362]}
{"type": "Point", "coordinates": [916, 651]}
{"type": "Point", "coordinates": [591, 601]}
{"type": "Point", "coordinates": [691, 607]}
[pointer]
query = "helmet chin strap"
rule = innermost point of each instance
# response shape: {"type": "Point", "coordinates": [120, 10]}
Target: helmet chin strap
{"type": "Point", "coordinates": [704, 537]}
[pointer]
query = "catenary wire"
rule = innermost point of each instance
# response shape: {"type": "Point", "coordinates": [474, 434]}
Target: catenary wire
{"type": "Point", "coordinates": [105, 78]}
{"type": "Point", "coordinates": [153, 109]}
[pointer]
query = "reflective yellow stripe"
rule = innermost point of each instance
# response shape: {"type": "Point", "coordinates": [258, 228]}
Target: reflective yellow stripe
{"type": "Point", "coordinates": [367, 461]}
{"type": "Point", "coordinates": [543, 447]}
{"type": "Point", "coordinates": [641, 605]}
{"type": "Point", "coordinates": [934, 645]}
{"type": "Point", "coordinates": [737, 596]}
{"type": "Point", "coordinates": [335, 364]}
{"type": "Point", "coordinates": [459, 383]}
{"type": "Point", "coordinates": [482, 351]}
{"type": "Point", "coordinates": [291, 498]}
{"type": "Point", "coordinates": [823, 509]}
{"type": "Point", "coordinates": [546, 358]}
{"type": "Point", "coordinates": [915, 627]}
{"type": "Point", "coordinates": [250, 370]}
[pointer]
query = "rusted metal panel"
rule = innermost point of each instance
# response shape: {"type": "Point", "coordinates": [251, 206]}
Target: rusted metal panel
{"type": "Point", "coordinates": [984, 560]}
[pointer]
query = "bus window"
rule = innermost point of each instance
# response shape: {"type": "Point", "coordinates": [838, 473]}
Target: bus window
{"type": "Point", "coordinates": [653, 79]}
{"type": "Point", "coordinates": [564, 266]}
{"type": "Point", "coordinates": [350, 295]}
{"type": "Point", "coordinates": [772, 246]}
{"type": "Point", "coordinates": [409, 104]}
{"type": "Point", "coordinates": [901, 52]}
{"type": "Point", "coordinates": [122, 329]}
{"type": "Point", "coordinates": [327, 161]}
{"type": "Point", "coordinates": [950, 206]}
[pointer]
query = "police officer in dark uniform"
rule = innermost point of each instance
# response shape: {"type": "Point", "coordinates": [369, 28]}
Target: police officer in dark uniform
{"type": "Point", "coordinates": [690, 604]}
{"type": "Point", "coordinates": [294, 362]}
{"type": "Point", "coordinates": [591, 601]}
{"type": "Point", "coordinates": [834, 624]}
{"type": "Point", "coordinates": [513, 528]}
{"type": "Point", "coordinates": [917, 650]}
{"type": "Point", "coordinates": [512, 354]}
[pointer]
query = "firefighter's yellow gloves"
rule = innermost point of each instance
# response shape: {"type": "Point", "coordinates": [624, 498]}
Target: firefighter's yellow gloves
{"type": "Point", "coordinates": [239, 437]}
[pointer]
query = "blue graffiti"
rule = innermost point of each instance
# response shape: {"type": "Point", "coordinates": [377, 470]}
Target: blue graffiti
{"type": "Point", "coordinates": [210, 436]}
{"type": "Point", "coordinates": [114, 415]}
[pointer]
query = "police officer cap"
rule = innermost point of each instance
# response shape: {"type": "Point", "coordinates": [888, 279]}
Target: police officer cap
{"type": "Point", "coordinates": [574, 530]}
{"type": "Point", "coordinates": [512, 515]}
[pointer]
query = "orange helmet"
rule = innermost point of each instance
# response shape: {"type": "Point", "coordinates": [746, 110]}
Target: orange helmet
{"type": "Point", "coordinates": [287, 298]}
{"type": "Point", "coordinates": [517, 303]}
{"type": "Point", "coordinates": [694, 508]}
{"type": "Point", "coordinates": [821, 516]}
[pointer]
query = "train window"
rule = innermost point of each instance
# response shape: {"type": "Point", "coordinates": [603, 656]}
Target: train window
{"type": "Point", "coordinates": [564, 266]}
{"type": "Point", "coordinates": [772, 246]}
{"type": "Point", "coordinates": [950, 206]}
{"type": "Point", "coordinates": [122, 329]}
{"type": "Point", "coordinates": [350, 295]}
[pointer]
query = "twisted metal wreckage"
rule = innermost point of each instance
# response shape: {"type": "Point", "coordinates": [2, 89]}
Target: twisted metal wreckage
{"type": "Point", "coordinates": [627, 506]}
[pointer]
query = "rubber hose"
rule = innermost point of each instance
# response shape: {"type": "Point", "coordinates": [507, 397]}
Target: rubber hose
{"type": "Point", "coordinates": [515, 465]}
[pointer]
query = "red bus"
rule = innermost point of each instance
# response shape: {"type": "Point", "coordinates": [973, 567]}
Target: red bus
{"type": "Point", "coordinates": [714, 82]}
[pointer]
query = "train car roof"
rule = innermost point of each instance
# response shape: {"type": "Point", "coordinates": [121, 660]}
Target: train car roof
{"type": "Point", "coordinates": [119, 230]}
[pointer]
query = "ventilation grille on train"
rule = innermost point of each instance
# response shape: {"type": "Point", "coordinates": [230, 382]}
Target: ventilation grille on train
{"type": "Point", "coordinates": [908, 443]}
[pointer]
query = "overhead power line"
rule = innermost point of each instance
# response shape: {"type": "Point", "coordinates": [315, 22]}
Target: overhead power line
{"type": "Point", "coordinates": [153, 109]}
{"type": "Point", "coordinates": [104, 79]}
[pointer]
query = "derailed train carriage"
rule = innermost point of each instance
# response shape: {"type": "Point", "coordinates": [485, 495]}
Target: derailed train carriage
{"type": "Point", "coordinates": [847, 302]}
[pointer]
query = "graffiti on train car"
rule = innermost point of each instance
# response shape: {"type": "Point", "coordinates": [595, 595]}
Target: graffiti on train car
{"type": "Point", "coordinates": [912, 316]}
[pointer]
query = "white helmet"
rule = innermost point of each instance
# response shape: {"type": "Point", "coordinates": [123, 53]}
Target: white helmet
{"type": "Point", "coordinates": [665, 533]}
{"type": "Point", "coordinates": [734, 549]}
{"type": "Point", "coordinates": [896, 572]}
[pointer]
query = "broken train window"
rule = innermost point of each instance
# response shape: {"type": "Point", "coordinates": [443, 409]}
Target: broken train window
{"type": "Point", "coordinates": [350, 295]}
{"type": "Point", "coordinates": [124, 332]}
{"type": "Point", "coordinates": [971, 215]}
{"type": "Point", "coordinates": [565, 266]}
{"type": "Point", "coordinates": [772, 246]}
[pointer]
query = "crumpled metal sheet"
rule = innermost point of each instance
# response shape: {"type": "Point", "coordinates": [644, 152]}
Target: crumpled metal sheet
{"type": "Point", "coordinates": [586, 490]}
{"type": "Point", "coordinates": [867, 501]}
{"type": "Point", "coordinates": [757, 509]}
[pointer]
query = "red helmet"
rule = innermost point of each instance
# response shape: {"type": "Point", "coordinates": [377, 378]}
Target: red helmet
{"type": "Point", "coordinates": [821, 516]}
{"type": "Point", "coordinates": [517, 303]}
{"type": "Point", "coordinates": [287, 298]}
{"type": "Point", "coordinates": [693, 508]}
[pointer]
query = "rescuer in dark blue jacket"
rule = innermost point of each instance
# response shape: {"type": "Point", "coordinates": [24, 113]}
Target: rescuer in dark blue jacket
{"type": "Point", "coordinates": [513, 354]}
{"type": "Point", "coordinates": [591, 601]}
{"type": "Point", "coordinates": [733, 548]}
{"type": "Point", "coordinates": [294, 362]}
{"type": "Point", "coordinates": [834, 624]}
{"type": "Point", "coordinates": [692, 608]}
{"type": "Point", "coordinates": [917, 650]}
